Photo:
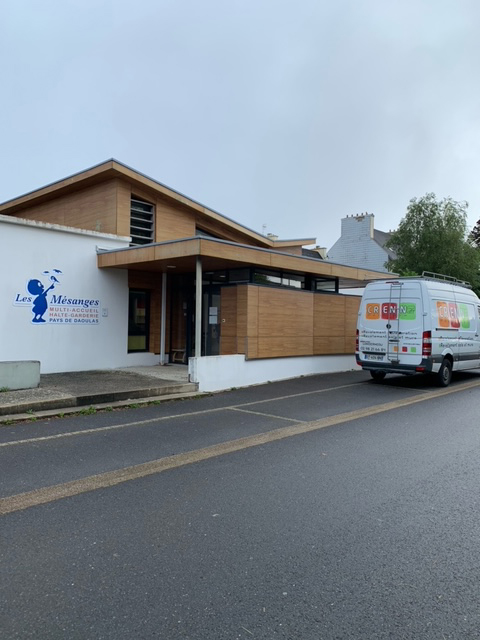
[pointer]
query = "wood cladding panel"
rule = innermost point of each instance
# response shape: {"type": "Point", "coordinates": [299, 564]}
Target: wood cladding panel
{"type": "Point", "coordinates": [228, 312]}
{"type": "Point", "coordinates": [155, 320]}
{"type": "Point", "coordinates": [173, 222]}
{"type": "Point", "coordinates": [294, 323]}
{"type": "Point", "coordinates": [143, 254]}
{"type": "Point", "coordinates": [242, 310]}
{"type": "Point", "coordinates": [350, 344]}
{"type": "Point", "coordinates": [225, 232]}
{"type": "Point", "coordinates": [329, 315]}
{"type": "Point", "coordinates": [235, 254]}
{"type": "Point", "coordinates": [244, 321]}
{"type": "Point", "coordinates": [276, 347]}
{"type": "Point", "coordinates": [293, 250]}
{"type": "Point", "coordinates": [228, 345]}
{"type": "Point", "coordinates": [176, 250]}
{"type": "Point", "coordinates": [328, 345]}
{"type": "Point", "coordinates": [253, 301]}
{"type": "Point", "coordinates": [335, 321]}
{"type": "Point", "coordinates": [247, 320]}
{"type": "Point", "coordinates": [93, 209]}
{"type": "Point", "coordinates": [284, 313]}
{"type": "Point", "coordinates": [144, 280]}
{"type": "Point", "coordinates": [124, 197]}
{"type": "Point", "coordinates": [352, 306]}
{"type": "Point", "coordinates": [106, 260]}
{"type": "Point", "coordinates": [250, 348]}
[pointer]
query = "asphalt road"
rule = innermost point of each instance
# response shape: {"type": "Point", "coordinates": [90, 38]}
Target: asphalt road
{"type": "Point", "coordinates": [319, 508]}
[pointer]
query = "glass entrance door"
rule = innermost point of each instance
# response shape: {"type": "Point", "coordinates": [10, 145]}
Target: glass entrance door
{"type": "Point", "coordinates": [182, 319]}
{"type": "Point", "coordinates": [211, 321]}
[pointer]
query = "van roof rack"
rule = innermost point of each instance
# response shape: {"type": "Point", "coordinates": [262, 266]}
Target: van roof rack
{"type": "Point", "coordinates": [440, 277]}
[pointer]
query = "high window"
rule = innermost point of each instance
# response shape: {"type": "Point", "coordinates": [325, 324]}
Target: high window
{"type": "Point", "coordinates": [141, 222]}
{"type": "Point", "coordinates": [279, 278]}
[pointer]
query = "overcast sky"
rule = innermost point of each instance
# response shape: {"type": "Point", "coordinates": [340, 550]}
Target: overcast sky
{"type": "Point", "coordinates": [285, 115]}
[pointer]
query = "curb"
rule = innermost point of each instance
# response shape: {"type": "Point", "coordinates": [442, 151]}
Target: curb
{"type": "Point", "coordinates": [68, 406]}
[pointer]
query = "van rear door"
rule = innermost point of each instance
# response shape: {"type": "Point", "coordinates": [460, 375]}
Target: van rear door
{"type": "Point", "coordinates": [391, 324]}
{"type": "Point", "coordinates": [404, 315]}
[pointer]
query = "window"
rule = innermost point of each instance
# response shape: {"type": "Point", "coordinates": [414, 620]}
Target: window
{"type": "Point", "coordinates": [279, 279]}
{"type": "Point", "coordinates": [262, 276]}
{"type": "Point", "coordinates": [292, 280]}
{"type": "Point", "coordinates": [138, 320]}
{"type": "Point", "coordinates": [206, 234]}
{"type": "Point", "coordinates": [326, 284]}
{"type": "Point", "coordinates": [239, 275]}
{"type": "Point", "coordinates": [141, 222]}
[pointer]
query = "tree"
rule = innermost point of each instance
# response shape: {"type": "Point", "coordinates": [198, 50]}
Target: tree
{"type": "Point", "coordinates": [474, 236]}
{"type": "Point", "coordinates": [433, 237]}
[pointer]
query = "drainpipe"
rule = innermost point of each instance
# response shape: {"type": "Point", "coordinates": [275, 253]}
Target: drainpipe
{"type": "Point", "coordinates": [163, 321]}
{"type": "Point", "coordinates": [198, 308]}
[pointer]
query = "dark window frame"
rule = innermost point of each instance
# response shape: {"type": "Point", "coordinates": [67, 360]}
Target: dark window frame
{"type": "Point", "coordinates": [131, 320]}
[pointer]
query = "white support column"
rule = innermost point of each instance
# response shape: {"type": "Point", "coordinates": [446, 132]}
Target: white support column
{"type": "Point", "coordinates": [163, 321]}
{"type": "Point", "coordinates": [198, 308]}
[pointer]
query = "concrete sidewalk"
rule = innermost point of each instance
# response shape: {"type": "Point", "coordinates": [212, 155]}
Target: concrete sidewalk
{"type": "Point", "coordinates": [60, 393]}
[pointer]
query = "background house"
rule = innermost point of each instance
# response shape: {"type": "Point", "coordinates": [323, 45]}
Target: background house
{"type": "Point", "coordinates": [361, 245]}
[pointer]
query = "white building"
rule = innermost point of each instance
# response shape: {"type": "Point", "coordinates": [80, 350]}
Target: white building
{"type": "Point", "coordinates": [361, 245]}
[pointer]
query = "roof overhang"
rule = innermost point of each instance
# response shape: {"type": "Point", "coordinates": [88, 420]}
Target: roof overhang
{"type": "Point", "coordinates": [179, 256]}
{"type": "Point", "coordinates": [113, 169]}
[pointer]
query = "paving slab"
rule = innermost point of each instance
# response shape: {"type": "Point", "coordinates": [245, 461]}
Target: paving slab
{"type": "Point", "coordinates": [68, 391]}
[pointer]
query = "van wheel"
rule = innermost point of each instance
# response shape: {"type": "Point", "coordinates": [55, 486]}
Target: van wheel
{"type": "Point", "coordinates": [378, 376]}
{"type": "Point", "coordinates": [444, 375]}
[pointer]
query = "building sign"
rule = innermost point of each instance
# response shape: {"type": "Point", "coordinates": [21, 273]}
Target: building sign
{"type": "Point", "coordinates": [48, 304]}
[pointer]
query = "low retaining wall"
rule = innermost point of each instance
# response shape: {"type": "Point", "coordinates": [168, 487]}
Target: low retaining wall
{"type": "Point", "coordinates": [218, 373]}
{"type": "Point", "coordinates": [19, 374]}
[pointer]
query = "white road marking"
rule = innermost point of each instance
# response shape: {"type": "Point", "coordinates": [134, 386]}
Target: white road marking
{"type": "Point", "coordinates": [45, 495]}
{"type": "Point", "coordinates": [141, 423]}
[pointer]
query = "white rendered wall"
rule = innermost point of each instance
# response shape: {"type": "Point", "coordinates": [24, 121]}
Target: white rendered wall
{"type": "Point", "coordinates": [217, 373]}
{"type": "Point", "coordinates": [69, 337]}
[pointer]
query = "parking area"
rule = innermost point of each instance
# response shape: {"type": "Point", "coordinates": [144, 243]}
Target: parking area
{"type": "Point", "coordinates": [60, 450]}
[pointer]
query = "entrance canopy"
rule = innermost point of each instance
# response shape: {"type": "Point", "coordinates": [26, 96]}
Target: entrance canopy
{"type": "Point", "coordinates": [180, 256]}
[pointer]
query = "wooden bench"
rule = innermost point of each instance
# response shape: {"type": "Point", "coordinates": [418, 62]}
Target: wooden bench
{"type": "Point", "coordinates": [178, 355]}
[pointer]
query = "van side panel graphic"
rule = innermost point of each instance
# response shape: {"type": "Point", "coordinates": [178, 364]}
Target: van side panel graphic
{"type": "Point", "coordinates": [372, 311]}
{"type": "Point", "coordinates": [465, 315]}
{"type": "Point", "coordinates": [391, 311]}
{"type": "Point", "coordinates": [451, 315]}
{"type": "Point", "coordinates": [408, 311]}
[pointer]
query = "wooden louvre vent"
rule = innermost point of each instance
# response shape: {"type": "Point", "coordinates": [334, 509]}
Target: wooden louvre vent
{"type": "Point", "coordinates": [141, 222]}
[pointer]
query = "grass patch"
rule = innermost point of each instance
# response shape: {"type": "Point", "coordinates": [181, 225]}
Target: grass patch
{"type": "Point", "coordinates": [88, 411]}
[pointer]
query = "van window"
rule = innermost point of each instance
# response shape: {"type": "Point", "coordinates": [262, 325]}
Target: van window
{"type": "Point", "coordinates": [466, 316]}
{"type": "Point", "coordinates": [455, 315]}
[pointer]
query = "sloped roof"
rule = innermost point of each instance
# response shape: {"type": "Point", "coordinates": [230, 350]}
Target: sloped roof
{"type": "Point", "coordinates": [114, 168]}
{"type": "Point", "coordinates": [381, 238]}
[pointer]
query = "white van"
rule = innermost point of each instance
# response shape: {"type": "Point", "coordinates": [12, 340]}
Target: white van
{"type": "Point", "coordinates": [427, 324]}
